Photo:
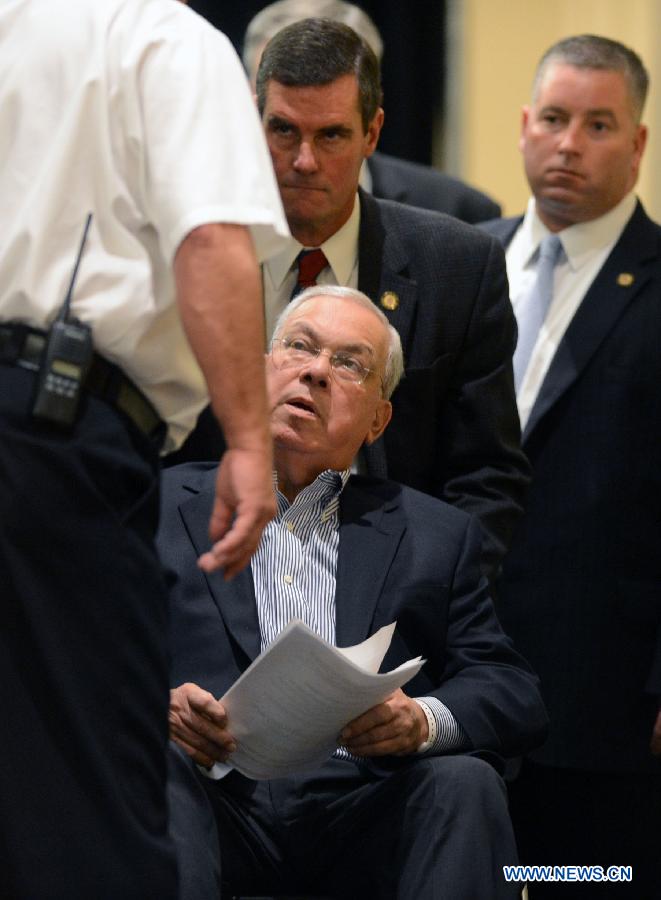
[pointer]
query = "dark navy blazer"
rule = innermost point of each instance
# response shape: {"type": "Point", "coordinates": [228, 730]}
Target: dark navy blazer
{"type": "Point", "coordinates": [402, 556]}
{"type": "Point", "coordinates": [581, 586]}
{"type": "Point", "coordinates": [426, 187]}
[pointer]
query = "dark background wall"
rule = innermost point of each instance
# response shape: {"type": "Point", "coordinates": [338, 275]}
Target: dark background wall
{"type": "Point", "coordinates": [413, 63]}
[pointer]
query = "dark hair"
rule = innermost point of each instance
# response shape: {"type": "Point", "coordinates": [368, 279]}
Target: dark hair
{"type": "Point", "coordinates": [590, 51]}
{"type": "Point", "coordinates": [317, 52]}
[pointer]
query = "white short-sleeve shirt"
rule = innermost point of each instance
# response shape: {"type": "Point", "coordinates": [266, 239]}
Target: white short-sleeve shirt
{"type": "Point", "coordinates": [138, 111]}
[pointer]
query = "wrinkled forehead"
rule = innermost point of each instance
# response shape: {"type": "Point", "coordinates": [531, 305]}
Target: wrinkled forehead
{"type": "Point", "coordinates": [339, 322]}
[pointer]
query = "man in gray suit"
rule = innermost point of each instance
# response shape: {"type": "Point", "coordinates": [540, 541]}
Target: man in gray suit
{"type": "Point", "coordinates": [581, 586]}
{"type": "Point", "coordinates": [441, 282]}
{"type": "Point", "coordinates": [382, 175]}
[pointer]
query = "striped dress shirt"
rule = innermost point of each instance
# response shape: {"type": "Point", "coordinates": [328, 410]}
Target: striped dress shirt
{"type": "Point", "coordinates": [294, 575]}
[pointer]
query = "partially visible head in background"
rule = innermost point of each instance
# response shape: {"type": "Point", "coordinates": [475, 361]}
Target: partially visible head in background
{"type": "Point", "coordinates": [276, 16]}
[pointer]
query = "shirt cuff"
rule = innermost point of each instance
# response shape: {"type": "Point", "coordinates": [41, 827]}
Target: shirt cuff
{"type": "Point", "coordinates": [445, 733]}
{"type": "Point", "coordinates": [216, 772]}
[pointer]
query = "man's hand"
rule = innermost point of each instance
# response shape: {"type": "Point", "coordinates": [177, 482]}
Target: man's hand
{"type": "Point", "coordinates": [198, 723]}
{"type": "Point", "coordinates": [397, 726]}
{"type": "Point", "coordinates": [219, 291]}
{"type": "Point", "coordinates": [244, 503]}
{"type": "Point", "coordinates": [655, 743]}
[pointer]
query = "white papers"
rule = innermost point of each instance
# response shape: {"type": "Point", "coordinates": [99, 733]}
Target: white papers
{"type": "Point", "coordinates": [288, 707]}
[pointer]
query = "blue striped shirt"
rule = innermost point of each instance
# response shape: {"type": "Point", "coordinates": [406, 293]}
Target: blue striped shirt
{"type": "Point", "coordinates": [294, 570]}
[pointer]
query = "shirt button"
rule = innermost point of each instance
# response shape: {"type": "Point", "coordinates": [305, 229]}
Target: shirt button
{"type": "Point", "coordinates": [290, 526]}
{"type": "Point", "coordinates": [287, 579]}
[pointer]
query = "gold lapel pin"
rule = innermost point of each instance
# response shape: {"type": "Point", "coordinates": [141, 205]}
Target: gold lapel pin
{"type": "Point", "coordinates": [625, 279]}
{"type": "Point", "coordinates": [389, 300]}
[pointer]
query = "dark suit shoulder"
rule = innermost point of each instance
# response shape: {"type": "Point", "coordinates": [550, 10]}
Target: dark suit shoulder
{"type": "Point", "coordinates": [415, 227]}
{"type": "Point", "coordinates": [415, 505]}
{"type": "Point", "coordinates": [502, 229]}
{"type": "Point", "coordinates": [426, 187]}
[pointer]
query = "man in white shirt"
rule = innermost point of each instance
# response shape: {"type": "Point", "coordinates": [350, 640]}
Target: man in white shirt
{"type": "Point", "coordinates": [409, 806]}
{"type": "Point", "coordinates": [581, 588]}
{"type": "Point", "coordinates": [138, 112]}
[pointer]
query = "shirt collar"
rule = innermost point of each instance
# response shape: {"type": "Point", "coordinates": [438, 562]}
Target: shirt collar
{"type": "Point", "coordinates": [324, 490]}
{"type": "Point", "coordinates": [365, 178]}
{"type": "Point", "coordinates": [579, 241]}
{"type": "Point", "coordinates": [341, 251]}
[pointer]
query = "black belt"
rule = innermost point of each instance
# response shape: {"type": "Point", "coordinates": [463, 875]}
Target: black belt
{"type": "Point", "coordinates": [23, 346]}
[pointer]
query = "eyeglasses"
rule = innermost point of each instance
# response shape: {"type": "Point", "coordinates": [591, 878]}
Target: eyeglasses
{"type": "Point", "coordinates": [291, 352]}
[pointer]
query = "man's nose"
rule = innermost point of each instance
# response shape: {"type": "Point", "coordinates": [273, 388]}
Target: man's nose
{"type": "Point", "coordinates": [305, 161]}
{"type": "Point", "coordinates": [571, 139]}
{"type": "Point", "coordinates": [318, 370]}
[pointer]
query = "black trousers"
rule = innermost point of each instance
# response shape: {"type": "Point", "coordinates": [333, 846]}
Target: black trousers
{"type": "Point", "coordinates": [434, 828]}
{"type": "Point", "coordinates": [83, 665]}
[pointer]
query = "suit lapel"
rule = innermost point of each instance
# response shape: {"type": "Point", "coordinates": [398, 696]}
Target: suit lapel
{"type": "Point", "coordinates": [371, 527]}
{"type": "Point", "coordinates": [236, 600]}
{"type": "Point", "coordinates": [383, 268]}
{"type": "Point", "coordinates": [602, 306]}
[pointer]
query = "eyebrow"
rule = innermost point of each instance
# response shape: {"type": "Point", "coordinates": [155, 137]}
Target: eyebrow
{"type": "Point", "coordinates": [604, 112]}
{"type": "Point", "coordinates": [274, 121]}
{"type": "Point", "coordinates": [279, 120]}
{"type": "Point", "coordinates": [312, 334]}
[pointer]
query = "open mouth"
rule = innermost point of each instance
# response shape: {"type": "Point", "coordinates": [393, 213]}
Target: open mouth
{"type": "Point", "coordinates": [303, 405]}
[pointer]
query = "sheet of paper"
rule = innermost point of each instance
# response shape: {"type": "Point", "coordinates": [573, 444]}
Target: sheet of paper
{"type": "Point", "coordinates": [287, 709]}
{"type": "Point", "coordinates": [369, 655]}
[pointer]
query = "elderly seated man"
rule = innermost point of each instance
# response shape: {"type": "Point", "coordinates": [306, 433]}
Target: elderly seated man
{"type": "Point", "coordinates": [411, 805]}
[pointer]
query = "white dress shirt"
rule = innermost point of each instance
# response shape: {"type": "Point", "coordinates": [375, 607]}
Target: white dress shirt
{"type": "Point", "coordinates": [586, 247]}
{"type": "Point", "coordinates": [138, 111]}
{"type": "Point", "coordinates": [280, 272]}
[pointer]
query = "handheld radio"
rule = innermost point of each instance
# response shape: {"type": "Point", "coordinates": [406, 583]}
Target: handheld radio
{"type": "Point", "coordinates": [67, 357]}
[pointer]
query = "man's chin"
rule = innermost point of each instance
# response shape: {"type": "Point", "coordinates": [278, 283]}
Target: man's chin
{"type": "Point", "coordinates": [564, 207]}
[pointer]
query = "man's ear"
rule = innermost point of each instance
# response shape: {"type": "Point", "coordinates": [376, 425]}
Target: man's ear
{"type": "Point", "coordinates": [525, 119]}
{"type": "Point", "coordinates": [382, 415]}
{"type": "Point", "coordinates": [373, 132]}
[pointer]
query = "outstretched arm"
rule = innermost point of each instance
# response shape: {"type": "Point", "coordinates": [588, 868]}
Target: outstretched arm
{"type": "Point", "coordinates": [219, 294]}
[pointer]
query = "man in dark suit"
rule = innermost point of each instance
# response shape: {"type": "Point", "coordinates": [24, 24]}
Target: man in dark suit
{"type": "Point", "coordinates": [410, 805]}
{"type": "Point", "coordinates": [442, 284]}
{"type": "Point", "coordinates": [581, 587]}
{"type": "Point", "coordinates": [382, 175]}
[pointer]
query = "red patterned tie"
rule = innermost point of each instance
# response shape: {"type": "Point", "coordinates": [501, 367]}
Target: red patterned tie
{"type": "Point", "coordinates": [310, 264]}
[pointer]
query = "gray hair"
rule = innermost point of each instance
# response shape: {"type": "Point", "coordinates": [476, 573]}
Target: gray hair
{"type": "Point", "coordinates": [275, 16]}
{"type": "Point", "coordinates": [591, 51]}
{"type": "Point", "coordinates": [394, 366]}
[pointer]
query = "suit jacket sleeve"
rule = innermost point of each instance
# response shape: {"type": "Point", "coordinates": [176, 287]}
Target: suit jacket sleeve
{"type": "Point", "coordinates": [485, 471]}
{"type": "Point", "coordinates": [487, 685]}
{"type": "Point", "coordinates": [422, 559]}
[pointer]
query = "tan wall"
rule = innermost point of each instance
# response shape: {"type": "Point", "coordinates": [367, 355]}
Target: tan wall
{"type": "Point", "coordinates": [495, 46]}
